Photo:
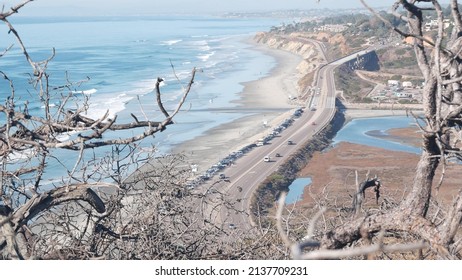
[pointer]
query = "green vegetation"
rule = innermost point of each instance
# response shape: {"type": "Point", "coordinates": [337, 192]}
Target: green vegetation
{"type": "Point", "coordinates": [401, 58]}
{"type": "Point", "coordinates": [363, 24]}
{"type": "Point", "coordinates": [396, 77]}
{"type": "Point", "coordinates": [354, 88]}
{"type": "Point", "coordinates": [400, 63]}
{"type": "Point", "coordinates": [400, 51]}
{"type": "Point", "coordinates": [357, 42]}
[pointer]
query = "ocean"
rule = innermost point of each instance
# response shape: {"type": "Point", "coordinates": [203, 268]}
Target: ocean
{"type": "Point", "coordinates": [120, 59]}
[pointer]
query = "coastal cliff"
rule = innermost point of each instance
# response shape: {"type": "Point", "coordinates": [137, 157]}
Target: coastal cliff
{"type": "Point", "coordinates": [287, 43]}
{"type": "Point", "coordinates": [297, 44]}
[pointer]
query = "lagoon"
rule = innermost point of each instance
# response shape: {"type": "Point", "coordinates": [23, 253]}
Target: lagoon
{"type": "Point", "coordinates": [296, 189]}
{"type": "Point", "coordinates": [363, 131]}
{"type": "Point", "coordinates": [368, 131]}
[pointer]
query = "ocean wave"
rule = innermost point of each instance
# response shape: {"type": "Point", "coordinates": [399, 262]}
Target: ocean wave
{"type": "Point", "coordinates": [86, 92]}
{"type": "Point", "coordinates": [16, 156]}
{"type": "Point", "coordinates": [144, 86]}
{"type": "Point", "coordinates": [205, 48]}
{"type": "Point", "coordinates": [116, 102]}
{"type": "Point", "coordinates": [180, 75]}
{"type": "Point", "coordinates": [171, 42]}
{"type": "Point", "coordinates": [114, 105]}
{"type": "Point", "coordinates": [51, 105]}
{"type": "Point", "coordinates": [200, 43]}
{"type": "Point", "coordinates": [65, 136]}
{"type": "Point", "coordinates": [206, 57]}
{"type": "Point", "coordinates": [220, 39]}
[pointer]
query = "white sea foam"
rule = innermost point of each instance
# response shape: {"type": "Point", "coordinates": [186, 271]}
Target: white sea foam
{"type": "Point", "coordinates": [99, 106]}
{"type": "Point", "coordinates": [51, 105]}
{"type": "Point", "coordinates": [205, 48]}
{"type": "Point", "coordinates": [205, 57]}
{"type": "Point", "coordinates": [200, 43]}
{"type": "Point", "coordinates": [15, 156]}
{"type": "Point", "coordinates": [171, 42]}
{"type": "Point", "coordinates": [116, 102]}
{"type": "Point", "coordinates": [184, 74]}
{"type": "Point", "coordinates": [63, 137]}
{"type": "Point", "coordinates": [86, 92]}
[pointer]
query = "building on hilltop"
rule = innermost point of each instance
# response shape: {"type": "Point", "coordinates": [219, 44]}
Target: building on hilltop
{"type": "Point", "coordinates": [408, 84]}
{"type": "Point", "coordinates": [393, 83]}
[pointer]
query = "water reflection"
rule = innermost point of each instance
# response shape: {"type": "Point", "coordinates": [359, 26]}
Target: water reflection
{"type": "Point", "coordinates": [370, 132]}
{"type": "Point", "coordinates": [296, 189]}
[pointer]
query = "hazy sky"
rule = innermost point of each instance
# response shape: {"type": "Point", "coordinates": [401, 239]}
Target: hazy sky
{"type": "Point", "coordinates": [134, 7]}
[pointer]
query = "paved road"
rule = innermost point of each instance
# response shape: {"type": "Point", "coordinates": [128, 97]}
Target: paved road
{"type": "Point", "coordinates": [246, 174]}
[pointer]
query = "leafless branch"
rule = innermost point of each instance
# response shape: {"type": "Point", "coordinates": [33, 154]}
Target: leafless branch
{"type": "Point", "coordinates": [282, 233]}
{"type": "Point", "coordinates": [14, 10]}
{"type": "Point", "coordinates": [362, 251]}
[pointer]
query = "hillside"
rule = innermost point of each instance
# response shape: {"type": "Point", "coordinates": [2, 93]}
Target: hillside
{"type": "Point", "coordinates": [299, 44]}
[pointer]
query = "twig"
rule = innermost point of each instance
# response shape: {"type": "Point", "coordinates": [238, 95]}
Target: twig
{"type": "Point", "coordinates": [282, 233]}
{"type": "Point", "coordinates": [159, 99]}
{"type": "Point", "coordinates": [362, 251]}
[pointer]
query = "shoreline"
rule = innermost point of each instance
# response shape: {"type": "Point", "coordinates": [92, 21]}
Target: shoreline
{"type": "Point", "coordinates": [264, 104]}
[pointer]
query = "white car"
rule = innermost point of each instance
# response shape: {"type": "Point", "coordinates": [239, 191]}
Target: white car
{"type": "Point", "coordinates": [267, 159]}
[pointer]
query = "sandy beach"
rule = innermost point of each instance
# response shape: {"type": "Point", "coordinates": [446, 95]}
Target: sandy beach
{"type": "Point", "coordinates": [265, 103]}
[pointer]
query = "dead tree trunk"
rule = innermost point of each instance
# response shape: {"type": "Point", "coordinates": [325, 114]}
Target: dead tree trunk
{"type": "Point", "coordinates": [440, 62]}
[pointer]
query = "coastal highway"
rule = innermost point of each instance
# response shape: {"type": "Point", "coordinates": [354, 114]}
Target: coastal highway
{"type": "Point", "coordinates": [246, 174]}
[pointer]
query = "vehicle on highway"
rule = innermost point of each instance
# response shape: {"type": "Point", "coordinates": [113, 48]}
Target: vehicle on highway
{"type": "Point", "coordinates": [267, 159]}
{"type": "Point", "coordinates": [222, 176]}
{"type": "Point", "coordinates": [298, 113]}
{"type": "Point", "coordinates": [290, 142]}
{"type": "Point", "coordinates": [313, 109]}
{"type": "Point", "coordinates": [278, 155]}
{"type": "Point", "coordinates": [260, 142]}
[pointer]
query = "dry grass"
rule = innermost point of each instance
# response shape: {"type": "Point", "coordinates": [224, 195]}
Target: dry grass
{"type": "Point", "coordinates": [334, 171]}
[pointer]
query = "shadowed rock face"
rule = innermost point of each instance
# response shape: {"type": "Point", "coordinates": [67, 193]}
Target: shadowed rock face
{"type": "Point", "coordinates": [368, 62]}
